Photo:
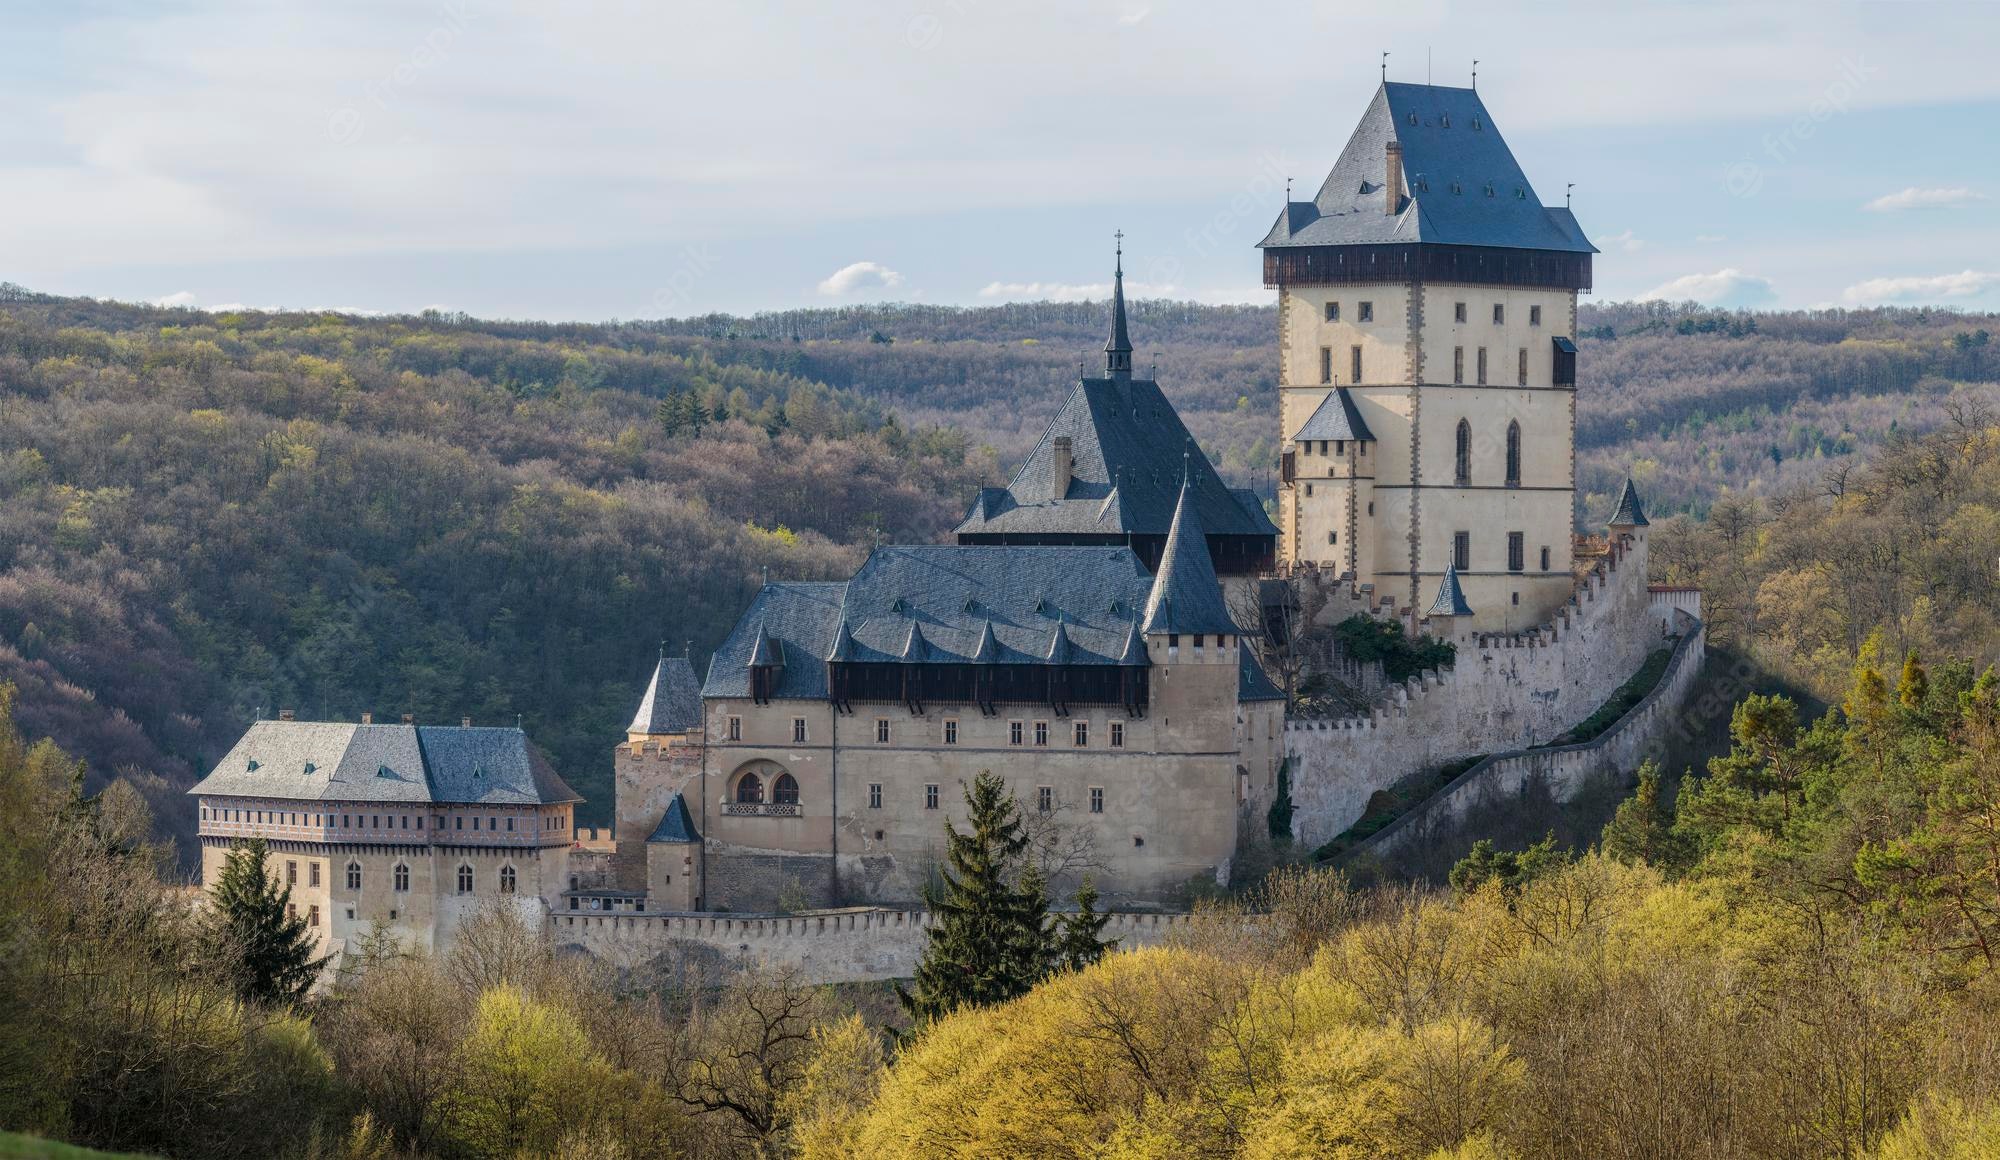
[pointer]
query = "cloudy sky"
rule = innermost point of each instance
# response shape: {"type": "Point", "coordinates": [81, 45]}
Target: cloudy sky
{"type": "Point", "coordinates": [641, 159]}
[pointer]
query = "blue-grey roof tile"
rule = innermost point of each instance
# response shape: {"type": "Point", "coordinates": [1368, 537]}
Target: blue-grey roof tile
{"type": "Point", "coordinates": [672, 703]}
{"type": "Point", "coordinates": [330, 761]}
{"type": "Point", "coordinates": [1185, 596]}
{"type": "Point", "coordinates": [676, 825]}
{"type": "Point", "coordinates": [1336, 417]}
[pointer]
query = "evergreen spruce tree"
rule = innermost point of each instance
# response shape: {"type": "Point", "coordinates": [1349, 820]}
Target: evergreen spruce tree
{"type": "Point", "coordinates": [1643, 828]}
{"type": "Point", "coordinates": [272, 950]}
{"type": "Point", "coordinates": [1079, 945]}
{"type": "Point", "coordinates": [990, 942]}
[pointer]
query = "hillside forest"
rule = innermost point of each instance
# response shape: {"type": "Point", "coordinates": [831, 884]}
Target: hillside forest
{"type": "Point", "coordinates": [204, 516]}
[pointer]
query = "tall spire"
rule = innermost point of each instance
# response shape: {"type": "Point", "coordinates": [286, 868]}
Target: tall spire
{"type": "Point", "coordinates": [1118, 351]}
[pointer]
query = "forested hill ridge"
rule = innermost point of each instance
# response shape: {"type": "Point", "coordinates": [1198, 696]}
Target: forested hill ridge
{"type": "Point", "coordinates": [204, 514]}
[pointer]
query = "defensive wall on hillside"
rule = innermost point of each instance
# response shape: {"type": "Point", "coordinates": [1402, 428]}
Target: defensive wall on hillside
{"type": "Point", "coordinates": [859, 944]}
{"type": "Point", "coordinates": [1505, 692]}
{"type": "Point", "coordinates": [1564, 769]}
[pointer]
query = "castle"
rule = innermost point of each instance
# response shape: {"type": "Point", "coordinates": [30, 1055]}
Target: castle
{"type": "Point", "coordinates": [1087, 635]}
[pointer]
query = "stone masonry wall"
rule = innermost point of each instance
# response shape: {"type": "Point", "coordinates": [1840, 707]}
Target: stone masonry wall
{"type": "Point", "coordinates": [1504, 693]}
{"type": "Point", "coordinates": [838, 946]}
{"type": "Point", "coordinates": [1566, 769]}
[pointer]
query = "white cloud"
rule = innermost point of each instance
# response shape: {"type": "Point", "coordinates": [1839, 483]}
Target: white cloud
{"type": "Point", "coordinates": [1916, 198]}
{"type": "Point", "coordinates": [178, 298]}
{"type": "Point", "coordinates": [860, 276]}
{"type": "Point", "coordinates": [1725, 287]}
{"type": "Point", "coordinates": [1626, 241]}
{"type": "Point", "coordinates": [1964, 284]}
{"type": "Point", "coordinates": [1073, 291]}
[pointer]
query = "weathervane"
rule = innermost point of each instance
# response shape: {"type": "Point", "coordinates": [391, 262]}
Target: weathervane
{"type": "Point", "coordinates": [1566, 193]}
{"type": "Point", "coordinates": [1385, 68]}
{"type": "Point", "coordinates": [1475, 74]}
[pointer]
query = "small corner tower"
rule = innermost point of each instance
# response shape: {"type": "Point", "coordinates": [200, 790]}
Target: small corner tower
{"type": "Point", "coordinates": [1190, 636]}
{"type": "Point", "coordinates": [674, 860]}
{"type": "Point", "coordinates": [660, 757]}
{"type": "Point", "coordinates": [1448, 611]}
{"type": "Point", "coordinates": [1427, 373]}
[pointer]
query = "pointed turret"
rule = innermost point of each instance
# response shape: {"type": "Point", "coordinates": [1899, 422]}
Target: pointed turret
{"type": "Point", "coordinates": [672, 703]}
{"type": "Point", "coordinates": [1630, 513]}
{"type": "Point", "coordinates": [987, 651]}
{"type": "Point", "coordinates": [1059, 646]}
{"type": "Point", "coordinates": [843, 644]}
{"type": "Point", "coordinates": [677, 825]}
{"type": "Point", "coordinates": [1186, 596]}
{"type": "Point", "coordinates": [766, 653]}
{"type": "Point", "coordinates": [1134, 652]}
{"type": "Point", "coordinates": [1450, 598]}
{"type": "Point", "coordinates": [915, 647]}
{"type": "Point", "coordinates": [1118, 350]}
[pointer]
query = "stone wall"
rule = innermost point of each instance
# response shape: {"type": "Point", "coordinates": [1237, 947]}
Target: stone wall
{"type": "Point", "coordinates": [836, 946]}
{"type": "Point", "coordinates": [1505, 692]}
{"type": "Point", "coordinates": [1564, 769]}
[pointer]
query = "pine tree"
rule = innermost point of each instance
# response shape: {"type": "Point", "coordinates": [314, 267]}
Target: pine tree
{"type": "Point", "coordinates": [1643, 828]}
{"type": "Point", "coordinates": [272, 949]}
{"type": "Point", "coordinates": [1915, 686]}
{"type": "Point", "coordinates": [991, 941]}
{"type": "Point", "coordinates": [1079, 945]}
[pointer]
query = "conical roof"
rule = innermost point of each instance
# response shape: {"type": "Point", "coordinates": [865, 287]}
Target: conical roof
{"type": "Point", "coordinates": [1629, 514]}
{"type": "Point", "coordinates": [915, 647]}
{"type": "Point", "coordinates": [677, 825]}
{"type": "Point", "coordinates": [1118, 348]}
{"type": "Point", "coordinates": [987, 651]}
{"type": "Point", "coordinates": [1185, 595]}
{"type": "Point", "coordinates": [843, 644]}
{"type": "Point", "coordinates": [766, 653]}
{"type": "Point", "coordinates": [672, 703]}
{"type": "Point", "coordinates": [1059, 646]}
{"type": "Point", "coordinates": [1134, 652]}
{"type": "Point", "coordinates": [1450, 598]}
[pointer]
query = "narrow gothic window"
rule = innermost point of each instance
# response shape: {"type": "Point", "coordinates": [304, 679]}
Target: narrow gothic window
{"type": "Point", "coordinates": [1517, 552]}
{"type": "Point", "coordinates": [1461, 551]}
{"type": "Point", "coordinates": [785, 790]}
{"type": "Point", "coordinates": [1457, 364]}
{"type": "Point", "coordinates": [1545, 559]}
{"type": "Point", "coordinates": [1524, 366]}
{"type": "Point", "coordinates": [1326, 364]}
{"type": "Point", "coordinates": [465, 879]}
{"type": "Point", "coordinates": [1355, 376]}
{"type": "Point", "coordinates": [1514, 454]}
{"type": "Point", "coordinates": [1463, 469]}
{"type": "Point", "coordinates": [1482, 366]}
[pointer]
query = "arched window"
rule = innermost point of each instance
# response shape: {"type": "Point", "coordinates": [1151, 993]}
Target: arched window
{"type": "Point", "coordinates": [402, 878]}
{"type": "Point", "coordinates": [354, 875]}
{"type": "Point", "coordinates": [750, 789]}
{"type": "Point", "coordinates": [1513, 455]}
{"type": "Point", "coordinates": [785, 791]}
{"type": "Point", "coordinates": [1464, 472]}
{"type": "Point", "coordinates": [465, 879]}
{"type": "Point", "coordinates": [506, 880]}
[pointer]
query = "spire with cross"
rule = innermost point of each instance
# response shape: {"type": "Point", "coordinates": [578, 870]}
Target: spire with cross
{"type": "Point", "coordinates": [1118, 351]}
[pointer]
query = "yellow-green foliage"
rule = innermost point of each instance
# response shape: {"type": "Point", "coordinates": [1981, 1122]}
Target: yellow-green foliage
{"type": "Point", "coordinates": [528, 1069]}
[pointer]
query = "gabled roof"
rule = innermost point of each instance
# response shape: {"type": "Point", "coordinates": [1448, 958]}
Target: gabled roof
{"type": "Point", "coordinates": [677, 825]}
{"type": "Point", "coordinates": [961, 604]}
{"type": "Point", "coordinates": [1461, 183]}
{"type": "Point", "coordinates": [329, 761]}
{"type": "Point", "coordinates": [1185, 595]}
{"type": "Point", "coordinates": [1125, 435]}
{"type": "Point", "coordinates": [1450, 598]}
{"type": "Point", "coordinates": [672, 703]}
{"type": "Point", "coordinates": [1335, 418]}
{"type": "Point", "coordinates": [1629, 514]}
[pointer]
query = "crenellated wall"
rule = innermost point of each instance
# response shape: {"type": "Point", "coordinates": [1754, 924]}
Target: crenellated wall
{"type": "Point", "coordinates": [1505, 692]}
{"type": "Point", "coordinates": [834, 946]}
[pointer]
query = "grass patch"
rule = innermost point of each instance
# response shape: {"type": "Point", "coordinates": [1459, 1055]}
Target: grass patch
{"type": "Point", "coordinates": [1622, 702]}
{"type": "Point", "coordinates": [1386, 805]}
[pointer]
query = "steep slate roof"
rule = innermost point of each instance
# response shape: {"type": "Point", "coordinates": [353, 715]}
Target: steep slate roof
{"type": "Point", "coordinates": [964, 603]}
{"type": "Point", "coordinates": [1185, 595]}
{"type": "Point", "coordinates": [1452, 139]}
{"type": "Point", "coordinates": [1629, 513]}
{"type": "Point", "coordinates": [1450, 598]}
{"type": "Point", "coordinates": [1125, 435]}
{"type": "Point", "coordinates": [1335, 418]}
{"type": "Point", "coordinates": [672, 703]}
{"type": "Point", "coordinates": [385, 763]}
{"type": "Point", "coordinates": [677, 825]}
{"type": "Point", "coordinates": [1251, 682]}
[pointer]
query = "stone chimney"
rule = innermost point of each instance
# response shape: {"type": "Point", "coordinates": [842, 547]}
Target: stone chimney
{"type": "Point", "coordinates": [1392, 204]}
{"type": "Point", "coordinates": [465, 722]}
{"type": "Point", "coordinates": [285, 715]}
{"type": "Point", "coordinates": [409, 718]}
{"type": "Point", "coordinates": [1065, 467]}
{"type": "Point", "coordinates": [368, 718]}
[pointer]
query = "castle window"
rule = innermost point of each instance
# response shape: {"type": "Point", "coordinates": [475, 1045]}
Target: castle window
{"type": "Point", "coordinates": [343, 821]}
{"type": "Point", "coordinates": [1499, 313]}
{"type": "Point", "coordinates": [1482, 366]}
{"type": "Point", "coordinates": [354, 875]}
{"type": "Point", "coordinates": [313, 875]}
{"type": "Point", "coordinates": [1332, 538]}
{"type": "Point", "coordinates": [736, 728]}
{"type": "Point", "coordinates": [1355, 376]}
{"type": "Point", "coordinates": [798, 730]}
{"type": "Point", "coordinates": [1339, 446]}
{"type": "Point", "coordinates": [882, 730]}
{"type": "Point", "coordinates": [930, 796]}
{"type": "Point", "coordinates": [1367, 312]}
{"type": "Point", "coordinates": [1524, 366]}
{"type": "Point", "coordinates": [292, 911]}
{"type": "Point", "coordinates": [1309, 489]}
{"type": "Point", "coordinates": [1517, 552]}
{"type": "Point", "coordinates": [1045, 798]}
{"type": "Point", "coordinates": [951, 733]}
{"type": "Point", "coordinates": [1458, 312]}
{"type": "Point", "coordinates": [1534, 316]}
{"type": "Point", "coordinates": [510, 824]}
{"type": "Point", "coordinates": [1457, 364]}
{"type": "Point", "coordinates": [1333, 312]}
{"type": "Point", "coordinates": [1517, 598]}
{"type": "Point", "coordinates": [312, 916]}
{"type": "Point", "coordinates": [1326, 364]}
{"type": "Point", "coordinates": [1041, 733]}
{"type": "Point", "coordinates": [785, 790]}
{"type": "Point", "coordinates": [458, 821]}
{"type": "Point", "coordinates": [1545, 558]}
{"type": "Point", "coordinates": [1013, 732]}
{"type": "Point", "coordinates": [1461, 551]}
{"type": "Point", "coordinates": [1082, 737]}
{"type": "Point", "coordinates": [1118, 735]}
{"type": "Point", "coordinates": [1513, 454]}
{"type": "Point", "coordinates": [750, 789]}
{"type": "Point", "coordinates": [874, 795]}
{"type": "Point", "coordinates": [475, 822]}
{"type": "Point", "coordinates": [492, 823]}
{"type": "Point", "coordinates": [402, 878]}
{"type": "Point", "coordinates": [465, 879]}
{"type": "Point", "coordinates": [1096, 799]}
{"type": "Point", "coordinates": [291, 873]}
{"type": "Point", "coordinates": [1462, 467]}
